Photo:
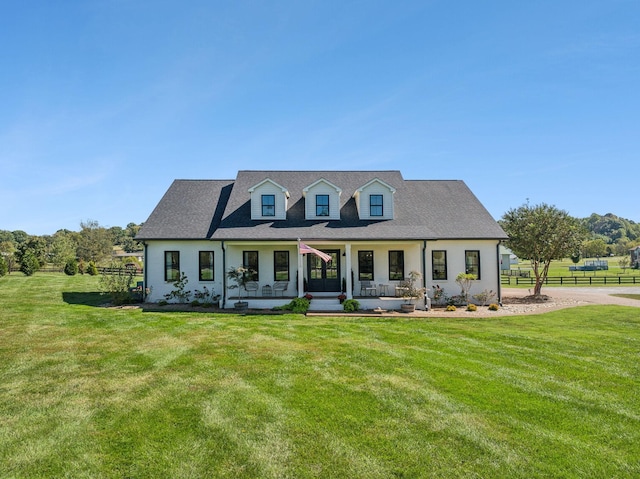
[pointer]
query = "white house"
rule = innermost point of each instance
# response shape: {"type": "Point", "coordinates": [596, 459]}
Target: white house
{"type": "Point", "coordinates": [375, 226]}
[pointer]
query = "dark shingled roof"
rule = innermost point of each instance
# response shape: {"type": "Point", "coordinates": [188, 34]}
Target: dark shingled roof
{"type": "Point", "coordinates": [424, 209]}
{"type": "Point", "coordinates": [190, 209]}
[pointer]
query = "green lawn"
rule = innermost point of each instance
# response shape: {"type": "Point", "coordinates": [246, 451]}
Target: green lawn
{"type": "Point", "coordinates": [111, 393]}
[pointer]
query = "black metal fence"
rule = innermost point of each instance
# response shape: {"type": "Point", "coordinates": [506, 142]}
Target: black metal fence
{"type": "Point", "coordinates": [572, 280]}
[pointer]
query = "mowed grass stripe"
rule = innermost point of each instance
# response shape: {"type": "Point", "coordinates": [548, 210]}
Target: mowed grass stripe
{"type": "Point", "coordinates": [87, 391]}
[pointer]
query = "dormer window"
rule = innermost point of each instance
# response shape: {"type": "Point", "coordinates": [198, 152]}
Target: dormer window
{"type": "Point", "coordinates": [322, 201]}
{"type": "Point", "coordinates": [374, 200]}
{"type": "Point", "coordinates": [322, 205]}
{"type": "Point", "coordinates": [268, 205]}
{"type": "Point", "coordinates": [269, 201]}
{"type": "Point", "coordinates": [376, 205]}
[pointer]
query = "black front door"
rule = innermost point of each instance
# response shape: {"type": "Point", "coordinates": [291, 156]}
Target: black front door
{"type": "Point", "coordinates": [323, 276]}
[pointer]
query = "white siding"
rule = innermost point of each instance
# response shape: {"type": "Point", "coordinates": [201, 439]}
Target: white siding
{"type": "Point", "coordinates": [489, 264]}
{"type": "Point", "coordinates": [268, 188]}
{"type": "Point", "coordinates": [154, 266]}
{"type": "Point", "coordinates": [362, 199]}
{"type": "Point", "coordinates": [413, 260]}
{"type": "Point", "coordinates": [322, 188]}
{"type": "Point", "coordinates": [265, 264]}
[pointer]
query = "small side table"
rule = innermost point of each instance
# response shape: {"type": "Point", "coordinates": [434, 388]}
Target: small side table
{"type": "Point", "coordinates": [266, 290]}
{"type": "Point", "coordinates": [383, 289]}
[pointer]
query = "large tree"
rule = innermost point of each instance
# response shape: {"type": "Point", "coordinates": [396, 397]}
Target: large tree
{"type": "Point", "coordinates": [63, 247]}
{"type": "Point", "coordinates": [542, 233]}
{"type": "Point", "coordinates": [94, 242]}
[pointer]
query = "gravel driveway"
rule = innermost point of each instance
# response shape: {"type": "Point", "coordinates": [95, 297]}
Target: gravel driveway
{"type": "Point", "coordinates": [566, 297]}
{"type": "Point", "coordinates": [516, 301]}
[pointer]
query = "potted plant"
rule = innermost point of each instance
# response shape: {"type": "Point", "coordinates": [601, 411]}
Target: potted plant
{"type": "Point", "coordinates": [411, 291]}
{"type": "Point", "coordinates": [240, 276]}
{"type": "Point", "coordinates": [342, 297]}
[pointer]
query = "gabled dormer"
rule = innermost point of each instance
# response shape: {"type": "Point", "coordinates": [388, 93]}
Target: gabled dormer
{"type": "Point", "coordinates": [374, 200]}
{"type": "Point", "coordinates": [322, 201]}
{"type": "Point", "coordinates": [269, 201]}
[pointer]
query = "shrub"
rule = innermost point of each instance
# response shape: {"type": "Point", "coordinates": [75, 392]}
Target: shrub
{"type": "Point", "coordinates": [493, 307]}
{"type": "Point", "coordinates": [439, 295]}
{"type": "Point", "coordinates": [117, 283]}
{"type": "Point", "coordinates": [162, 302]}
{"type": "Point", "coordinates": [450, 307]}
{"type": "Point", "coordinates": [351, 305]}
{"type": "Point", "coordinates": [464, 280]}
{"type": "Point", "coordinates": [179, 293]}
{"type": "Point", "coordinates": [472, 307]}
{"type": "Point", "coordinates": [298, 305]}
{"type": "Point", "coordinates": [485, 296]}
{"type": "Point", "coordinates": [29, 264]}
{"type": "Point", "coordinates": [206, 297]}
{"type": "Point", "coordinates": [71, 267]}
{"type": "Point", "coordinates": [195, 303]}
{"type": "Point", "coordinates": [92, 269]}
{"type": "Point", "coordinates": [456, 300]}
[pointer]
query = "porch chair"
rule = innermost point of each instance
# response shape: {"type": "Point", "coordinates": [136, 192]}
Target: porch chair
{"type": "Point", "coordinates": [367, 288]}
{"type": "Point", "coordinates": [280, 287]}
{"type": "Point", "coordinates": [251, 287]}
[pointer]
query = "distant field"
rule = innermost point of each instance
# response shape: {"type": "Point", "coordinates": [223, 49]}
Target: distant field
{"type": "Point", "coordinates": [92, 392]}
{"type": "Point", "coordinates": [561, 268]}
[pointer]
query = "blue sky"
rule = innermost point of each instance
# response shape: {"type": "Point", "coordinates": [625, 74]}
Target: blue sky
{"type": "Point", "coordinates": [104, 103]}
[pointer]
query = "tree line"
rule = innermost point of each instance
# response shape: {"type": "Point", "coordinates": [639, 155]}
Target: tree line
{"type": "Point", "coordinates": [600, 235]}
{"type": "Point", "coordinates": [92, 245]}
{"type": "Point", "coordinates": [609, 234]}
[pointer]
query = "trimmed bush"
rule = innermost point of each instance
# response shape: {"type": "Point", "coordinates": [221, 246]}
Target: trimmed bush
{"type": "Point", "coordinates": [450, 307]}
{"type": "Point", "coordinates": [472, 307]}
{"type": "Point", "coordinates": [29, 264]}
{"type": "Point", "coordinates": [350, 305]}
{"type": "Point", "coordinates": [298, 305]}
{"type": "Point", "coordinates": [92, 269]}
{"type": "Point", "coordinates": [493, 307]}
{"type": "Point", "coordinates": [4, 268]}
{"type": "Point", "coordinates": [71, 267]}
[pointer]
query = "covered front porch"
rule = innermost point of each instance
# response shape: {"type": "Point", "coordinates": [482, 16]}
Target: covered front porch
{"type": "Point", "coordinates": [368, 271]}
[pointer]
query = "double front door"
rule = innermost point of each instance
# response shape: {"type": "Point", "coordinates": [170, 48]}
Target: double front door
{"type": "Point", "coordinates": [323, 276]}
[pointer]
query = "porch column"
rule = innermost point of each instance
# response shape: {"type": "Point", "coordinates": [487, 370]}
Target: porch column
{"type": "Point", "coordinates": [300, 274]}
{"type": "Point", "coordinates": [347, 267]}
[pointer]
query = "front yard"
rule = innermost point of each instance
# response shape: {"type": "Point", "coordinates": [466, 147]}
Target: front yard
{"type": "Point", "coordinates": [87, 391]}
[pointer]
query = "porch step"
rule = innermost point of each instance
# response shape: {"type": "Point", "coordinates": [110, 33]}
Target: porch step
{"type": "Point", "coordinates": [325, 304]}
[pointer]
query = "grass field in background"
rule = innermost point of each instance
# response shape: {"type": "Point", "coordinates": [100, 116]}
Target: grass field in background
{"type": "Point", "coordinates": [87, 391]}
{"type": "Point", "coordinates": [561, 267]}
